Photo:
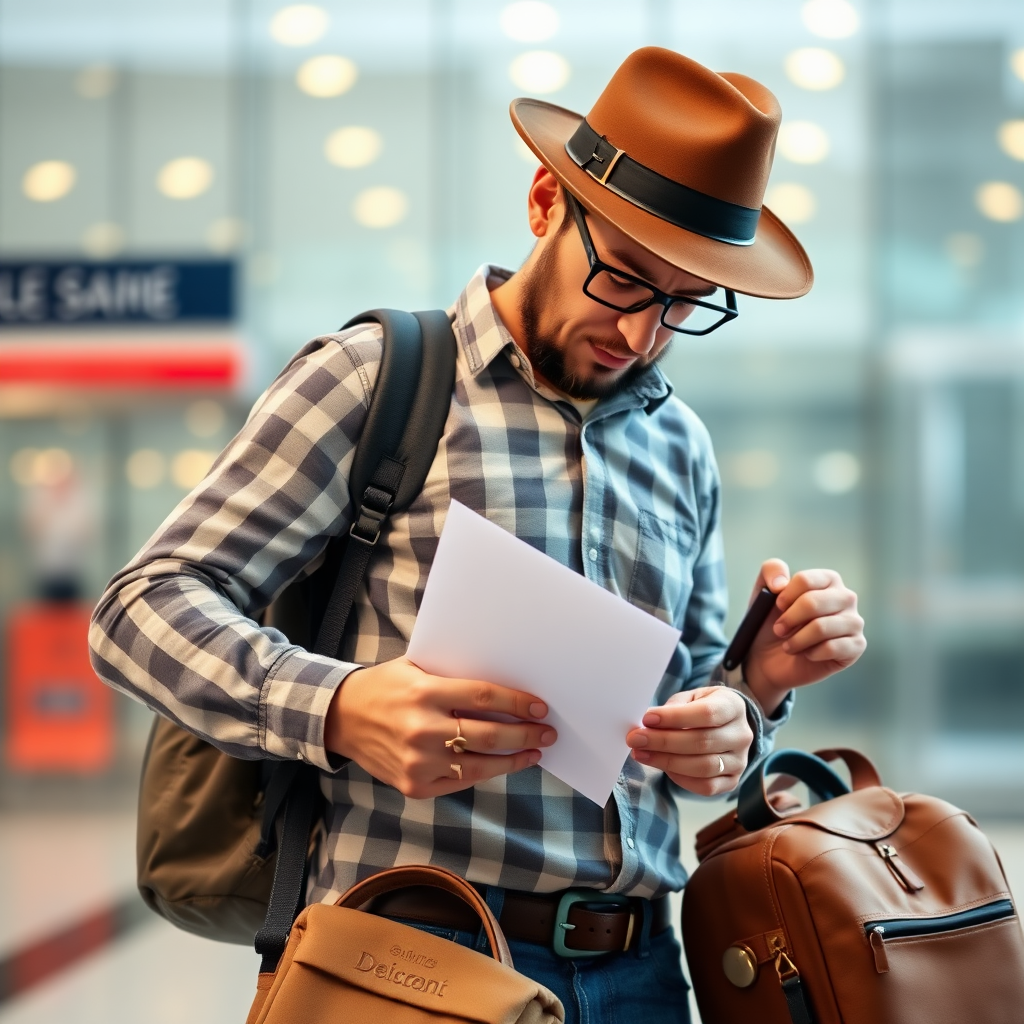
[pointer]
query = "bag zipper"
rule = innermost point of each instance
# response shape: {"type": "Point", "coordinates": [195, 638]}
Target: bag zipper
{"type": "Point", "coordinates": [905, 875]}
{"type": "Point", "coordinates": [878, 932]}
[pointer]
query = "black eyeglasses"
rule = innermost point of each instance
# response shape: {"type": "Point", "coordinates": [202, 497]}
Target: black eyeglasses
{"type": "Point", "coordinates": [628, 294]}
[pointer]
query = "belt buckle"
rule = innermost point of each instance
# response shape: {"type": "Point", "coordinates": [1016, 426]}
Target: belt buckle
{"type": "Point", "coordinates": [562, 926]}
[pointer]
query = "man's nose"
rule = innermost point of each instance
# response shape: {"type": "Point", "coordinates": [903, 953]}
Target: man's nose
{"type": "Point", "coordinates": [641, 329]}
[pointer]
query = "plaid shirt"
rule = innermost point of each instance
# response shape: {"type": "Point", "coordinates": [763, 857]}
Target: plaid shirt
{"type": "Point", "coordinates": [629, 497]}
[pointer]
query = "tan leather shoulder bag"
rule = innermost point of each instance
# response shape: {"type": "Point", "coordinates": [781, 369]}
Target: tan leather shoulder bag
{"type": "Point", "coordinates": [344, 964]}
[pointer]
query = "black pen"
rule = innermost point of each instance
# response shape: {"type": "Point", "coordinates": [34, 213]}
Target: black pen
{"type": "Point", "coordinates": [748, 629]}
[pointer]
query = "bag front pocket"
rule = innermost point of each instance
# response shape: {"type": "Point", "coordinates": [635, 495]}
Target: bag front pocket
{"type": "Point", "coordinates": [950, 968]}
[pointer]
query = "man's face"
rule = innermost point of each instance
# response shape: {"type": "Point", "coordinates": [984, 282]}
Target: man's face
{"type": "Point", "coordinates": [581, 347]}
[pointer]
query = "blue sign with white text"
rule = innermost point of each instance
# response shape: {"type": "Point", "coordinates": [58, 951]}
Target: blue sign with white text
{"type": "Point", "coordinates": [67, 292]}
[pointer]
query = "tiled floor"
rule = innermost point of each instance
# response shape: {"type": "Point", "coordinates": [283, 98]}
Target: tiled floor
{"type": "Point", "coordinates": [54, 869]}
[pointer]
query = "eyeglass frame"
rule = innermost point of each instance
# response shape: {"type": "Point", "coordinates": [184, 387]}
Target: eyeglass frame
{"type": "Point", "coordinates": [730, 312]}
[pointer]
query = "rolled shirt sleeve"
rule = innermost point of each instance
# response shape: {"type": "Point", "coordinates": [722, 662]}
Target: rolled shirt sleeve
{"type": "Point", "coordinates": [176, 628]}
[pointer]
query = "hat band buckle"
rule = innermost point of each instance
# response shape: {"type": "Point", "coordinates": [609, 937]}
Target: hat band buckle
{"type": "Point", "coordinates": [668, 200]}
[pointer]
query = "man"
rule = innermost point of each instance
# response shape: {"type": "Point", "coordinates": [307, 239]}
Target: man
{"type": "Point", "coordinates": [562, 430]}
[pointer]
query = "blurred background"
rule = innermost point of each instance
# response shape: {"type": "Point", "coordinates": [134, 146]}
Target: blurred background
{"type": "Point", "coordinates": [191, 190]}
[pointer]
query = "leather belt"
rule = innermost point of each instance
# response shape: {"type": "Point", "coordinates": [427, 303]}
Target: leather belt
{"type": "Point", "coordinates": [574, 922]}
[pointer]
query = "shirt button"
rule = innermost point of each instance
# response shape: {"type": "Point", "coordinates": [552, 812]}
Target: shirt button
{"type": "Point", "coordinates": [514, 360]}
{"type": "Point", "coordinates": [593, 554]}
{"type": "Point", "coordinates": [630, 843]}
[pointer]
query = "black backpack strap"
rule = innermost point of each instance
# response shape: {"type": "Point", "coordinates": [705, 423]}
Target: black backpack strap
{"type": "Point", "coordinates": [404, 424]}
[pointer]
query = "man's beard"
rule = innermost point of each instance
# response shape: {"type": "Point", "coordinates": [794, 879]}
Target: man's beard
{"type": "Point", "coordinates": [547, 358]}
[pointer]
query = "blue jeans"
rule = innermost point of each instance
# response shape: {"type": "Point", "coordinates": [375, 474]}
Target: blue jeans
{"type": "Point", "coordinates": [642, 986]}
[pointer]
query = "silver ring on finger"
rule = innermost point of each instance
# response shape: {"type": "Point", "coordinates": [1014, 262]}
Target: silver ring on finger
{"type": "Point", "coordinates": [721, 765]}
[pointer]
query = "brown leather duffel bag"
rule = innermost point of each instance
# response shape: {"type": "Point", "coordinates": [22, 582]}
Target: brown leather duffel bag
{"type": "Point", "coordinates": [342, 964]}
{"type": "Point", "coordinates": [869, 907]}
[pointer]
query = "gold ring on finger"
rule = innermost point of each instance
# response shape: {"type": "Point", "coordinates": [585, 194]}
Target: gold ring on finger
{"type": "Point", "coordinates": [458, 744]}
{"type": "Point", "coordinates": [457, 768]}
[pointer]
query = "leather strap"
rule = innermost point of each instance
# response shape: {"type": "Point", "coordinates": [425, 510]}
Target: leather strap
{"type": "Point", "coordinates": [862, 772]}
{"type": "Point", "coordinates": [796, 1000]}
{"type": "Point", "coordinates": [668, 200]}
{"type": "Point", "coordinates": [753, 809]}
{"type": "Point", "coordinates": [434, 880]}
{"type": "Point", "coordinates": [531, 917]}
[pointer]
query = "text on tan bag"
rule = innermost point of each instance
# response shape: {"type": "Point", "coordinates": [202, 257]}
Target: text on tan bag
{"type": "Point", "coordinates": [368, 963]}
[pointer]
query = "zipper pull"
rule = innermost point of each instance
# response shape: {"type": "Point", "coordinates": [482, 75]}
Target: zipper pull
{"type": "Point", "coordinates": [877, 940]}
{"type": "Point", "coordinates": [784, 967]}
{"type": "Point", "coordinates": [905, 875]}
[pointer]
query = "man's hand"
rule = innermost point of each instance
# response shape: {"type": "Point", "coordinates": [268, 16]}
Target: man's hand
{"type": "Point", "coordinates": [813, 631]}
{"type": "Point", "coordinates": [393, 720]}
{"type": "Point", "coordinates": [699, 738]}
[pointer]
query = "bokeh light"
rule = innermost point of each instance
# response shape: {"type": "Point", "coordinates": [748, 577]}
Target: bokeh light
{"type": "Point", "coordinates": [299, 24]}
{"type": "Point", "coordinates": [380, 207]}
{"type": "Point", "coordinates": [540, 71]}
{"type": "Point", "coordinates": [1017, 63]}
{"type": "Point", "coordinates": [753, 470]}
{"type": "Point", "coordinates": [205, 417]}
{"type": "Point", "coordinates": [529, 21]}
{"type": "Point", "coordinates": [791, 202]}
{"type": "Point", "coordinates": [103, 239]}
{"type": "Point", "coordinates": [48, 180]}
{"type": "Point", "coordinates": [225, 235]}
{"type": "Point", "coordinates": [803, 142]}
{"type": "Point", "coordinates": [326, 75]}
{"type": "Point", "coordinates": [1011, 138]}
{"type": "Point", "coordinates": [185, 178]}
{"type": "Point", "coordinates": [1000, 201]}
{"type": "Point", "coordinates": [188, 467]}
{"type": "Point", "coordinates": [812, 67]}
{"type": "Point", "coordinates": [353, 146]}
{"type": "Point", "coordinates": [830, 19]}
{"type": "Point", "coordinates": [145, 469]}
{"type": "Point", "coordinates": [836, 472]}
{"type": "Point", "coordinates": [33, 467]}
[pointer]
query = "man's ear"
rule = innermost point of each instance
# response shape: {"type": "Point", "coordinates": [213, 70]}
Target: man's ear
{"type": "Point", "coordinates": [544, 203]}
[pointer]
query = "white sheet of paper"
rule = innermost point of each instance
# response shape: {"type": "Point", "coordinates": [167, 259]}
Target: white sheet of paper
{"type": "Point", "coordinates": [499, 610]}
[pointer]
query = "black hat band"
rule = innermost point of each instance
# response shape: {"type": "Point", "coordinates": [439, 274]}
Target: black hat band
{"type": "Point", "coordinates": [668, 200]}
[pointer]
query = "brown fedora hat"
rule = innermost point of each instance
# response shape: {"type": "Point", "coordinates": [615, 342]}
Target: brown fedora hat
{"type": "Point", "coordinates": [677, 157]}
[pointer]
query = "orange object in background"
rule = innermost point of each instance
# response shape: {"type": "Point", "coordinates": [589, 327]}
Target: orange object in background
{"type": "Point", "coordinates": [60, 717]}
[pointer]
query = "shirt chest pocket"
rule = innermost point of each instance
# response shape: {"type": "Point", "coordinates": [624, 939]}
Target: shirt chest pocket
{"type": "Point", "coordinates": [662, 578]}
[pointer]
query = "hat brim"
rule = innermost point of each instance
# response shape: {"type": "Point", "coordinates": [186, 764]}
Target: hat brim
{"type": "Point", "coordinates": [775, 266]}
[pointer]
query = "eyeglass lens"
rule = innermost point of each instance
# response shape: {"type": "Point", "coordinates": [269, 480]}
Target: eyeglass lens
{"type": "Point", "coordinates": [625, 294]}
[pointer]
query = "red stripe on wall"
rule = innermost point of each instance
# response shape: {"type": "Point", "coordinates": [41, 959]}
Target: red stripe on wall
{"type": "Point", "coordinates": [39, 961]}
{"type": "Point", "coordinates": [153, 367]}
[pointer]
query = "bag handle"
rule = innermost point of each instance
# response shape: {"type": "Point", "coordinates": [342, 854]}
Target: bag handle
{"type": "Point", "coordinates": [753, 808]}
{"type": "Point", "coordinates": [439, 878]}
{"type": "Point", "coordinates": [863, 773]}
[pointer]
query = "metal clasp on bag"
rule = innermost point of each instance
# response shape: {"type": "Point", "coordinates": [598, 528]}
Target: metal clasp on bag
{"type": "Point", "coordinates": [367, 524]}
{"type": "Point", "coordinates": [562, 926]}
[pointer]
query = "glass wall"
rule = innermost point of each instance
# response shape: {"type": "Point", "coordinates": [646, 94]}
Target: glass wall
{"type": "Point", "coordinates": [347, 155]}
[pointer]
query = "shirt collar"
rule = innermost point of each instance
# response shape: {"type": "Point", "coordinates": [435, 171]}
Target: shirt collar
{"type": "Point", "coordinates": [479, 330]}
{"type": "Point", "coordinates": [481, 336]}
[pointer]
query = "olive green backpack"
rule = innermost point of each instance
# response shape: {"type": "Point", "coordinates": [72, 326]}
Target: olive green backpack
{"type": "Point", "coordinates": [223, 843]}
